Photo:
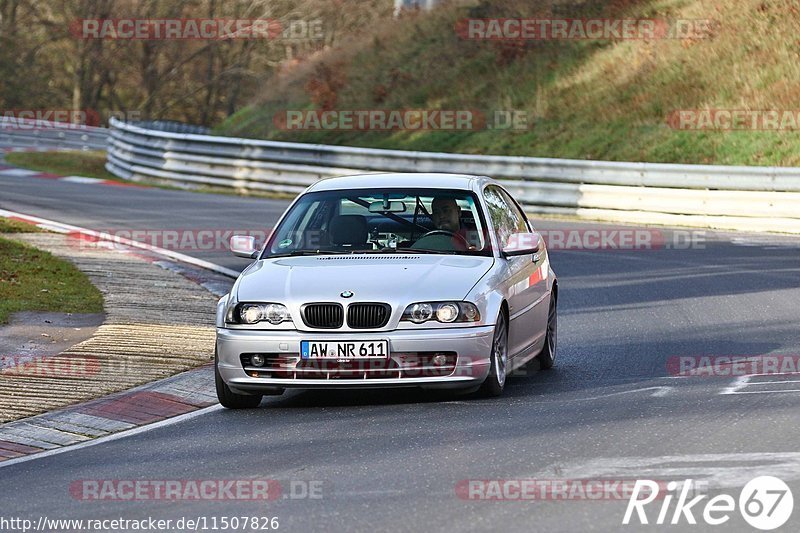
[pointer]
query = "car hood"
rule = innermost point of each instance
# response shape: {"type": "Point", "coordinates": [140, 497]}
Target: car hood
{"type": "Point", "coordinates": [370, 278]}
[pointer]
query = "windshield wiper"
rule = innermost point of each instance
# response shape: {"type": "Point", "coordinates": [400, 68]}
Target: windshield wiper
{"type": "Point", "coordinates": [422, 251]}
{"type": "Point", "coordinates": [298, 253]}
{"type": "Point", "coordinates": [410, 251]}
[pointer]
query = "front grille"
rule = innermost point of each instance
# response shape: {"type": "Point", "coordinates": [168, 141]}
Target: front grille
{"type": "Point", "coordinates": [323, 316]}
{"type": "Point", "coordinates": [368, 316]}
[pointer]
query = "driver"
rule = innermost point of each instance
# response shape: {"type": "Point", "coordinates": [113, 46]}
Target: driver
{"type": "Point", "coordinates": [445, 214]}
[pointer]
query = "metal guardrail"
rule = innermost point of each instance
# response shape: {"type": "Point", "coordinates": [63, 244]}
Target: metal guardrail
{"type": "Point", "coordinates": [49, 135]}
{"type": "Point", "coordinates": [172, 126]}
{"type": "Point", "coordinates": [38, 134]}
{"type": "Point", "coordinates": [739, 198]}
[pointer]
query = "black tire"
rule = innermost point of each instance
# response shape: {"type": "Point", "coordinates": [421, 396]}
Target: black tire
{"type": "Point", "coordinates": [498, 372]}
{"type": "Point", "coordinates": [229, 399]}
{"type": "Point", "coordinates": [547, 357]}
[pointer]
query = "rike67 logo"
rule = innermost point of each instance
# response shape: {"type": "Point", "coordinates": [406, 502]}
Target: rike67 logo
{"type": "Point", "coordinates": [765, 503]}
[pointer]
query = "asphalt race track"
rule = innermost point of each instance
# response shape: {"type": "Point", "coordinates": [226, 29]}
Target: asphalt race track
{"type": "Point", "coordinates": [611, 409]}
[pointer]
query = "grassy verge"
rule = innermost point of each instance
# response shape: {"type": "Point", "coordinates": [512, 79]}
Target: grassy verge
{"type": "Point", "coordinates": [8, 225]}
{"type": "Point", "coordinates": [91, 164]}
{"type": "Point", "coordinates": [34, 280]}
{"type": "Point", "coordinates": [77, 163]}
{"type": "Point", "coordinates": [584, 99]}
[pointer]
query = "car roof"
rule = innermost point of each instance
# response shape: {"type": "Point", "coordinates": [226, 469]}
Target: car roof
{"type": "Point", "coordinates": [422, 180]}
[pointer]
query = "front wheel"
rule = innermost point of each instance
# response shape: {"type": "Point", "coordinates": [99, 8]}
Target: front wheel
{"type": "Point", "coordinates": [229, 399]}
{"type": "Point", "coordinates": [496, 380]}
{"type": "Point", "coordinates": [547, 357]}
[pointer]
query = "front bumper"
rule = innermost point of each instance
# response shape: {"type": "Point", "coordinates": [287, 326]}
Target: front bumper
{"type": "Point", "coordinates": [471, 345]}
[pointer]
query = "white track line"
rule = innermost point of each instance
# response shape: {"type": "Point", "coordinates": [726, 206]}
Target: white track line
{"type": "Point", "coordinates": [779, 391]}
{"type": "Point", "coordinates": [660, 392]}
{"type": "Point", "coordinates": [81, 179]}
{"type": "Point", "coordinates": [718, 470]}
{"type": "Point", "coordinates": [737, 384]}
{"type": "Point", "coordinates": [743, 382]}
{"type": "Point", "coordinates": [67, 228]}
{"type": "Point", "coordinates": [114, 436]}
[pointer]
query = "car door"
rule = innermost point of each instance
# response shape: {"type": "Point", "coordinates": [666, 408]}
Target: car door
{"type": "Point", "coordinates": [526, 284]}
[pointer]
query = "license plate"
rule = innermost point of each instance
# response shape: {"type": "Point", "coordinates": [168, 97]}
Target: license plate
{"type": "Point", "coordinates": [348, 350]}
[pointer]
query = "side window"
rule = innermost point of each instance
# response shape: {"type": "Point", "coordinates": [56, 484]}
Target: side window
{"type": "Point", "coordinates": [520, 224]}
{"type": "Point", "coordinates": [301, 229]}
{"type": "Point", "coordinates": [506, 217]}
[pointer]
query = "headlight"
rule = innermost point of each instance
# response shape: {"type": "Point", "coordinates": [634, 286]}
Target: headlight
{"type": "Point", "coordinates": [255, 313]}
{"type": "Point", "coordinates": [420, 313]}
{"type": "Point", "coordinates": [447, 312]}
{"type": "Point", "coordinates": [276, 313]}
{"type": "Point", "coordinates": [250, 313]}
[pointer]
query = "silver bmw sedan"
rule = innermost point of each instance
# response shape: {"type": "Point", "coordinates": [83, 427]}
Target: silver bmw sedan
{"type": "Point", "coordinates": [388, 280]}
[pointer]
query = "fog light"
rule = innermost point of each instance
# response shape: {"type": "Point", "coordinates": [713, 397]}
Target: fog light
{"type": "Point", "coordinates": [257, 360]}
{"type": "Point", "coordinates": [439, 360]}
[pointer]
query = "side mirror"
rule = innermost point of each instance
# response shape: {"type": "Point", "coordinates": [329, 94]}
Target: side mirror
{"type": "Point", "coordinates": [244, 246]}
{"type": "Point", "coordinates": [523, 244]}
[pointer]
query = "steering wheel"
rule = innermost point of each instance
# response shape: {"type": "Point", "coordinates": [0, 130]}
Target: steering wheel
{"type": "Point", "coordinates": [458, 240]}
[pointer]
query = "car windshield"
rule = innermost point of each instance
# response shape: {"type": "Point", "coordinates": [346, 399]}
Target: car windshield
{"type": "Point", "coordinates": [382, 221]}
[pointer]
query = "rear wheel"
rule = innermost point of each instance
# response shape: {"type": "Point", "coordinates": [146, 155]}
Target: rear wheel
{"type": "Point", "coordinates": [496, 380]}
{"type": "Point", "coordinates": [228, 398]}
{"type": "Point", "coordinates": [547, 357]}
